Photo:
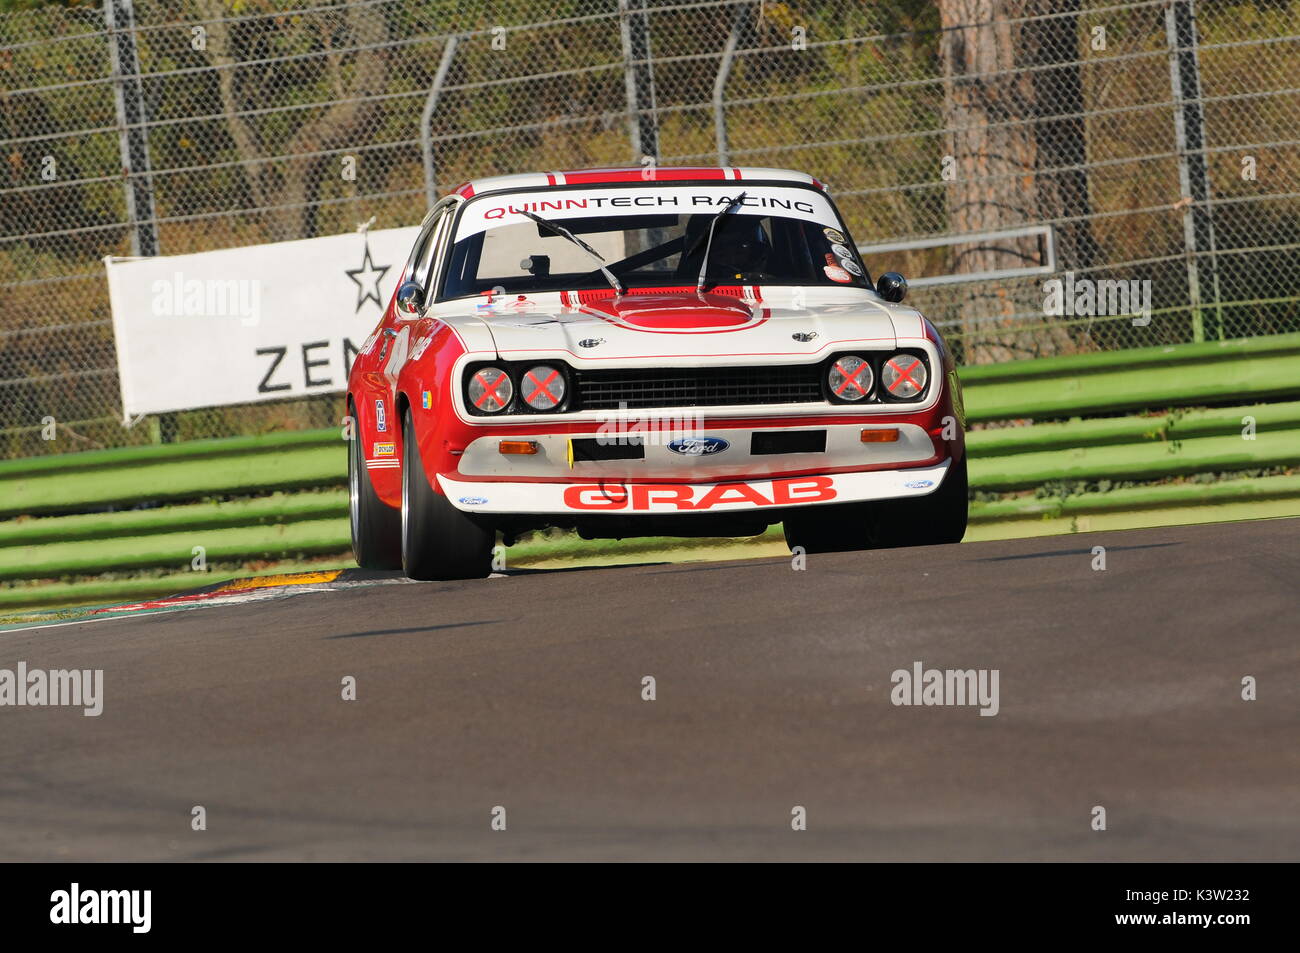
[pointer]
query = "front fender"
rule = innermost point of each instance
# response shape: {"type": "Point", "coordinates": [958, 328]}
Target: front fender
{"type": "Point", "coordinates": [424, 388]}
{"type": "Point", "coordinates": [950, 411]}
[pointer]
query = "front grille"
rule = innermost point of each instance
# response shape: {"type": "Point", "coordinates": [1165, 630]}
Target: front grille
{"type": "Point", "coordinates": [698, 387]}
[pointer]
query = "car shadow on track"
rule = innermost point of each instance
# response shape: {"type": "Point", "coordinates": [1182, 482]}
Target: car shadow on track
{"type": "Point", "coordinates": [547, 571]}
{"type": "Point", "coordinates": [1071, 552]}
{"type": "Point", "coordinates": [412, 631]}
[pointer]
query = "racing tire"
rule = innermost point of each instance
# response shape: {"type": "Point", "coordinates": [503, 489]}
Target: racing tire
{"type": "Point", "coordinates": [376, 526]}
{"type": "Point", "coordinates": [929, 520]}
{"type": "Point", "coordinates": [438, 541]}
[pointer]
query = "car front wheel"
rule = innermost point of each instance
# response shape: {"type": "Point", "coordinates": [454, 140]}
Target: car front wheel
{"type": "Point", "coordinates": [438, 540]}
{"type": "Point", "coordinates": [915, 521]}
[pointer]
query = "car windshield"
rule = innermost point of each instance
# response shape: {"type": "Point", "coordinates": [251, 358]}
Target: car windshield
{"type": "Point", "coordinates": [649, 236]}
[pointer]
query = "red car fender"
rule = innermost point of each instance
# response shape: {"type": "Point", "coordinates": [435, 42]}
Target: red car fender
{"type": "Point", "coordinates": [950, 407]}
{"type": "Point", "coordinates": [424, 387]}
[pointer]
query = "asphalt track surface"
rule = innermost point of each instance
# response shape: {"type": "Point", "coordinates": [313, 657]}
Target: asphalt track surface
{"type": "Point", "coordinates": [1119, 688]}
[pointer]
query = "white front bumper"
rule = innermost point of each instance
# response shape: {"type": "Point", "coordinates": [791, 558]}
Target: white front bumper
{"type": "Point", "coordinates": [844, 449]}
{"type": "Point", "coordinates": [596, 496]}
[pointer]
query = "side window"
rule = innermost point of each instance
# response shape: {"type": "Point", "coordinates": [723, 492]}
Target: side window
{"type": "Point", "coordinates": [429, 259]}
{"type": "Point", "coordinates": [428, 251]}
{"type": "Point", "coordinates": [417, 265]}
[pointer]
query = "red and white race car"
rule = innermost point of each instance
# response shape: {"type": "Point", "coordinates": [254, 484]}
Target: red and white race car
{"type": "Point", "coordinates": [630, 352]}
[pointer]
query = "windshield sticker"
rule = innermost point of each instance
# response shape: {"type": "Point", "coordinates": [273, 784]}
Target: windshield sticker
{"type": "Point", "coordinates": [836, 273]}
{"type": "Point", "coordinates": [493, 211]}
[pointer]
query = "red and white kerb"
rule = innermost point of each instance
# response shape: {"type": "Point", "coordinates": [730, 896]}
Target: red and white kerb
{"type": "Point", "coordinates": [490, 389]}
{"type": "Point", "coordinates": [903, 375]}
{"type": "Point", "coordinates": [850, 378]}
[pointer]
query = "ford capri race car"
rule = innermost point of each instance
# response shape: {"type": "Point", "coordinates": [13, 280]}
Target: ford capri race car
{"type": "Point", "coordinates": [628, 352]}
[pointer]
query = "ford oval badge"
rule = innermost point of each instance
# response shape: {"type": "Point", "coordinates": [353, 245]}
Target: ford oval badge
{"type": "Point", "coordinates": [472, 500]}
{"type": "Point", "coordinates": [698, 446]}
{"type": "Point", "coordinates": [919, 484]}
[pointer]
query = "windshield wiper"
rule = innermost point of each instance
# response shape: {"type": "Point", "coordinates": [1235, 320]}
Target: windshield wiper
{"type": "Point", "coordinates": [565, 233]}
{"type": "Point", "coordinates": [704, 265]}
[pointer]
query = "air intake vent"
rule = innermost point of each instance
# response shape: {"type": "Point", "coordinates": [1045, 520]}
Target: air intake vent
{"type": "Point", "coordinates": [698, 387]}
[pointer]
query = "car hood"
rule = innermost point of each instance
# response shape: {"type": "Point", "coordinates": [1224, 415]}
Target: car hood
{"type": "Point", "coordinates": [676, 327]}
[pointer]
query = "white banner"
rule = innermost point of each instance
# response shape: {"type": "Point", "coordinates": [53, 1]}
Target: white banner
{"type": "Point", "coordinates": [264, 322]}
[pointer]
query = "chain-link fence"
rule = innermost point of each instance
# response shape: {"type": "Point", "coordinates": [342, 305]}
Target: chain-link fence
{"type": "Point", "coordinates": [981, 147]}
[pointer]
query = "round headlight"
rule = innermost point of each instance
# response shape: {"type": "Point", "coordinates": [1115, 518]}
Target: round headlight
{"type": "Point", "coordinates": [542, 387]}
{"type": "Point", "coordinates": [490, 390]}
{"type": "Point", "coordinates": [850, 378]}
{"type": "Point", "coordinates": [903, 375]}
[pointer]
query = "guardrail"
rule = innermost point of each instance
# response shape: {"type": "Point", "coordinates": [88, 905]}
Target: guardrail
{"type": "Point", "coordinates": [305, 514]}
{"type": "Point", "coordinates": [1180, 375]}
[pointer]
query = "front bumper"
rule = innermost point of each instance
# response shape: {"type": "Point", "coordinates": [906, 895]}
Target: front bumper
{"type": "Point", "coordinates": [595, 496]}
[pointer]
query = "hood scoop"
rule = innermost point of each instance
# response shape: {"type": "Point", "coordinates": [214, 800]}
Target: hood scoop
{"type": "Point", "coordinates": [676, 312]}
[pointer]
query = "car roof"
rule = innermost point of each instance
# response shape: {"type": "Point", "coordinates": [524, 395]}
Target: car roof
{"type": "Point", "coordinates": [530, 180]}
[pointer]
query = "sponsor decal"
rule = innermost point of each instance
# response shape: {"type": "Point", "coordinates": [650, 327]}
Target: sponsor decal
{"type": "Point", "coordinates": [804, 336]}
{"type": "Point", "coordinates": [851, 267]}
{"type": "Point", "coordinates": [698, 446]}
{"type": "Point", "coordinates": [836, 236]}
{"type": "Point", "coordinates": [919, 484]}
{"type": "Point", "coordinates": [421, 346]}
{"type": "Point", "coordinates": [591, 342]}
{"type": "Point", "coordinates": [473, 500]}
{"type": "Point", "coordinates": [426, 400]}
{"type": "Point", "coordinates": [383, 450]}
{"type": "Point", "coordinates": [666, 197]}
{"type": "Point", "coordinates": [381, 416]}
{"type": "Point", "coordinates": [841, 251]}
{"type": "Point", "coordinates": [651, 199]}
{"type": "Point", "coordinates": [836, 273]}
{"type": "Point", "coordinates": [648, 496]}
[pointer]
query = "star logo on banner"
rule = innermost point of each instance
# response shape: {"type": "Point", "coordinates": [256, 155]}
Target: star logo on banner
{"type": "Point", "coordinates": [367, 278]}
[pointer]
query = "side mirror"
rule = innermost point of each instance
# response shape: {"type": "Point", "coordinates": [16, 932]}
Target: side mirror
{"type": "Point", "coordinates": [891, 286]}
{"type": "Point", "coordinates": [410, 297]}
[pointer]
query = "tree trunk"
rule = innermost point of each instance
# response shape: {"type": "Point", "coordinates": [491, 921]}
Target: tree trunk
{"type": "Point", "coordinates": [287, 188]}
{"type": "Point", "coordinates": [989, 109]}
{"type": "Point", "coordinates": [1061, 134]}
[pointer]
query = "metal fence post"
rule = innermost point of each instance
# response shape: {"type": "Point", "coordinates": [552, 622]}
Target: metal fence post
{"type": "Point", "coordinates": [638, 74]}
{"type": "Point", "coordinates": [128, 97]}
{"type": "Point", "coordinates": [426, 119]}
{"type": "Point", "coordinates": [1193, 169]}
{"type": "Point", "coordinates": [720, 85]}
